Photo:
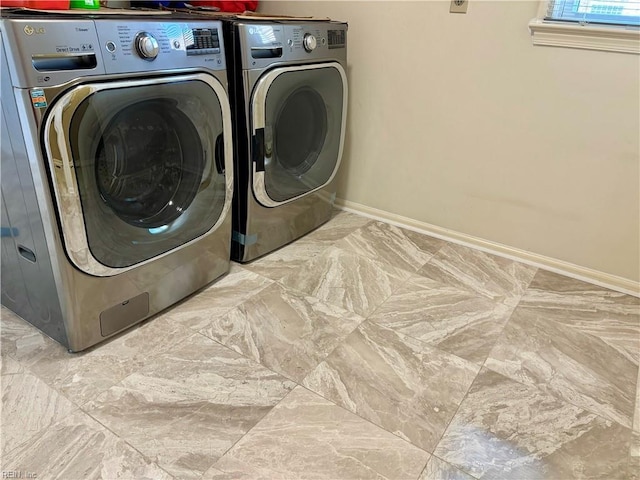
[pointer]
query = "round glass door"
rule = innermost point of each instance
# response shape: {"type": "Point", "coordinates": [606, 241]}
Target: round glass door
{"type": "Point", "coordinates": [303, 130]}
{"type": "Point", "coordinates": [300, 130]}
{"type": "Point", "coordinates": [148, 161]}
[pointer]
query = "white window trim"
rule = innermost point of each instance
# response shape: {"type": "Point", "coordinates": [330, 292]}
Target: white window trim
{"type": "Point", "coordinates": [589, 37]}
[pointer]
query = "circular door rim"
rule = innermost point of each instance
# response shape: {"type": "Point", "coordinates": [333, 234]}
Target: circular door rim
{"type": "Point", "coordinates": [258, 117]}
{"type": "Point", "coordinates": [65, 186]}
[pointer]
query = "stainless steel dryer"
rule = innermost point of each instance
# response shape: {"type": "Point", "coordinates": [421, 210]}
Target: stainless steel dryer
{"type": "Point", "coordinates": [117, 174]}
{"type": "Point", "coordinates": [288, 89]}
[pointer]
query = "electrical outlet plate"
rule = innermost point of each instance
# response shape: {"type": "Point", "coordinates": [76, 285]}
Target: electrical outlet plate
{"type": "Point", "coordinates": [459, 6]}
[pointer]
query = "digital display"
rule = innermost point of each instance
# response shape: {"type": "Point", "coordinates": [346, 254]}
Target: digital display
{"type": "Point", "coordinates": [337, 38]}
{"type": "Point", "coordinates": [202, 41]}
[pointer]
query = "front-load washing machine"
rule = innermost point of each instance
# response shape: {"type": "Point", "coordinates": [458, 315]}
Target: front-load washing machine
{"type": "Point", "coordinates": [288, 89]}
{"type": "Point", "coordinates": [117, 174]}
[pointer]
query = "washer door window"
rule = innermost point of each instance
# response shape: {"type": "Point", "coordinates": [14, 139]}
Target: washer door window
{"type": "Point", "coordinates": [138, 168]}
{"type": "Point", "coordinates": [298, 118]}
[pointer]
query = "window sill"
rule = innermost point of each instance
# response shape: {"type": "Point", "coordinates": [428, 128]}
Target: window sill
{"type": "Point", "coordinates": [589, 37]}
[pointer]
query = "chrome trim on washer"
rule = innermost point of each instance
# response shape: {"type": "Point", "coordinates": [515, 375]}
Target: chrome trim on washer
{"type": "Point", "coordinates": [258, 102]}
{"type": "Point", "coordinates": [64, 178]}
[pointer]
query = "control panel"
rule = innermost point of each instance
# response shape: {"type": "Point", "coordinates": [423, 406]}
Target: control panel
{"type": "Point", "coordinates": [310, 41]}
{"type": "Point", "coordinates": [161, 45]}
{"type": "Point", "coordinates": [205, 41]}
{"type": "Point", "coordinates": [54, 51]}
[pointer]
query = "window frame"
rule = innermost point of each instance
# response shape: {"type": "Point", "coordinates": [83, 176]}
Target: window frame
{"type": "Point", "coordinates": [558, 33]}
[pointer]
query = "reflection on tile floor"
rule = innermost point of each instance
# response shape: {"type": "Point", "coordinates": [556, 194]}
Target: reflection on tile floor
{"type": "Point", "coordinates": [529, 434]}
{"type": "Point", "coordinates": [361, 351]}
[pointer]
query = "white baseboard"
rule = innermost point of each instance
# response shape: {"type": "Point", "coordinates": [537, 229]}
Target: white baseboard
{"type": "Point", "coordinates": [596, 277]}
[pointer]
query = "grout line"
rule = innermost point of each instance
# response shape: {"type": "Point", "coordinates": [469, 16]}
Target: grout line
{"type": "Point", "coordinates": [368, 420]}
{"type": "Point", "coordinates": [213, 465]}
{"type": "Point", "coordinates": [203, 406]}
{"type": "Point", "coordinates": [124, 440]}
{"type": "Point", "coordinates": [365, 419]}
{"type": "Point", "coordinates": [457, 468]}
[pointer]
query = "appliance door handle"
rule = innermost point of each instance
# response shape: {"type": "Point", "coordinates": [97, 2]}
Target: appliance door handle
{"type": "Point", "coordinates": [266, 52]}
{"type": "Point", "coordinates": [258, 149]}
{"type": "Point", "coordinates": [219, 154]}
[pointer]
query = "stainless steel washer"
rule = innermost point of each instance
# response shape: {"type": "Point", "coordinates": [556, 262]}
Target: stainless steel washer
{"type": "Point", "coordinates": [117, 173]}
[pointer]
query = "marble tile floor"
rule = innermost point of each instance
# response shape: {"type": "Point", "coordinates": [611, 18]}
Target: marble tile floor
{"type": "Point", "coordinates": [362, 350]}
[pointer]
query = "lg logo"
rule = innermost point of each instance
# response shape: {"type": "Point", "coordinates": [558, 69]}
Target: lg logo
{"type": "Point", "coordinates": [29, 30]}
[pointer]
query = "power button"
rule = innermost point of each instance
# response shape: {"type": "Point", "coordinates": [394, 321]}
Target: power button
{"type": "Point", "coordinates": [110, 46]}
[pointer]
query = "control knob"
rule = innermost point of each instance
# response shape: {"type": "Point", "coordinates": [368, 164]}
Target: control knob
{"type": "Point", "coordinates": [309, 42]}
{"type": "Point", "coordinates": [146, 46]}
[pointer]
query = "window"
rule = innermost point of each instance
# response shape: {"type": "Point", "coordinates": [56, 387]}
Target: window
{"type": "Point", "coordinates": [612, 25]}
{"type": "Point", "coordinates": [608, 12]}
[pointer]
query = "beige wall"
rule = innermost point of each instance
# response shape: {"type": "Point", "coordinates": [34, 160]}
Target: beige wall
{"type": "Point", "coordinates": [458, 121]}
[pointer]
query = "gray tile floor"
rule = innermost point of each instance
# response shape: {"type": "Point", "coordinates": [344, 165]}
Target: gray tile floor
{"type": "Point", "coordinates": [360, 351]}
